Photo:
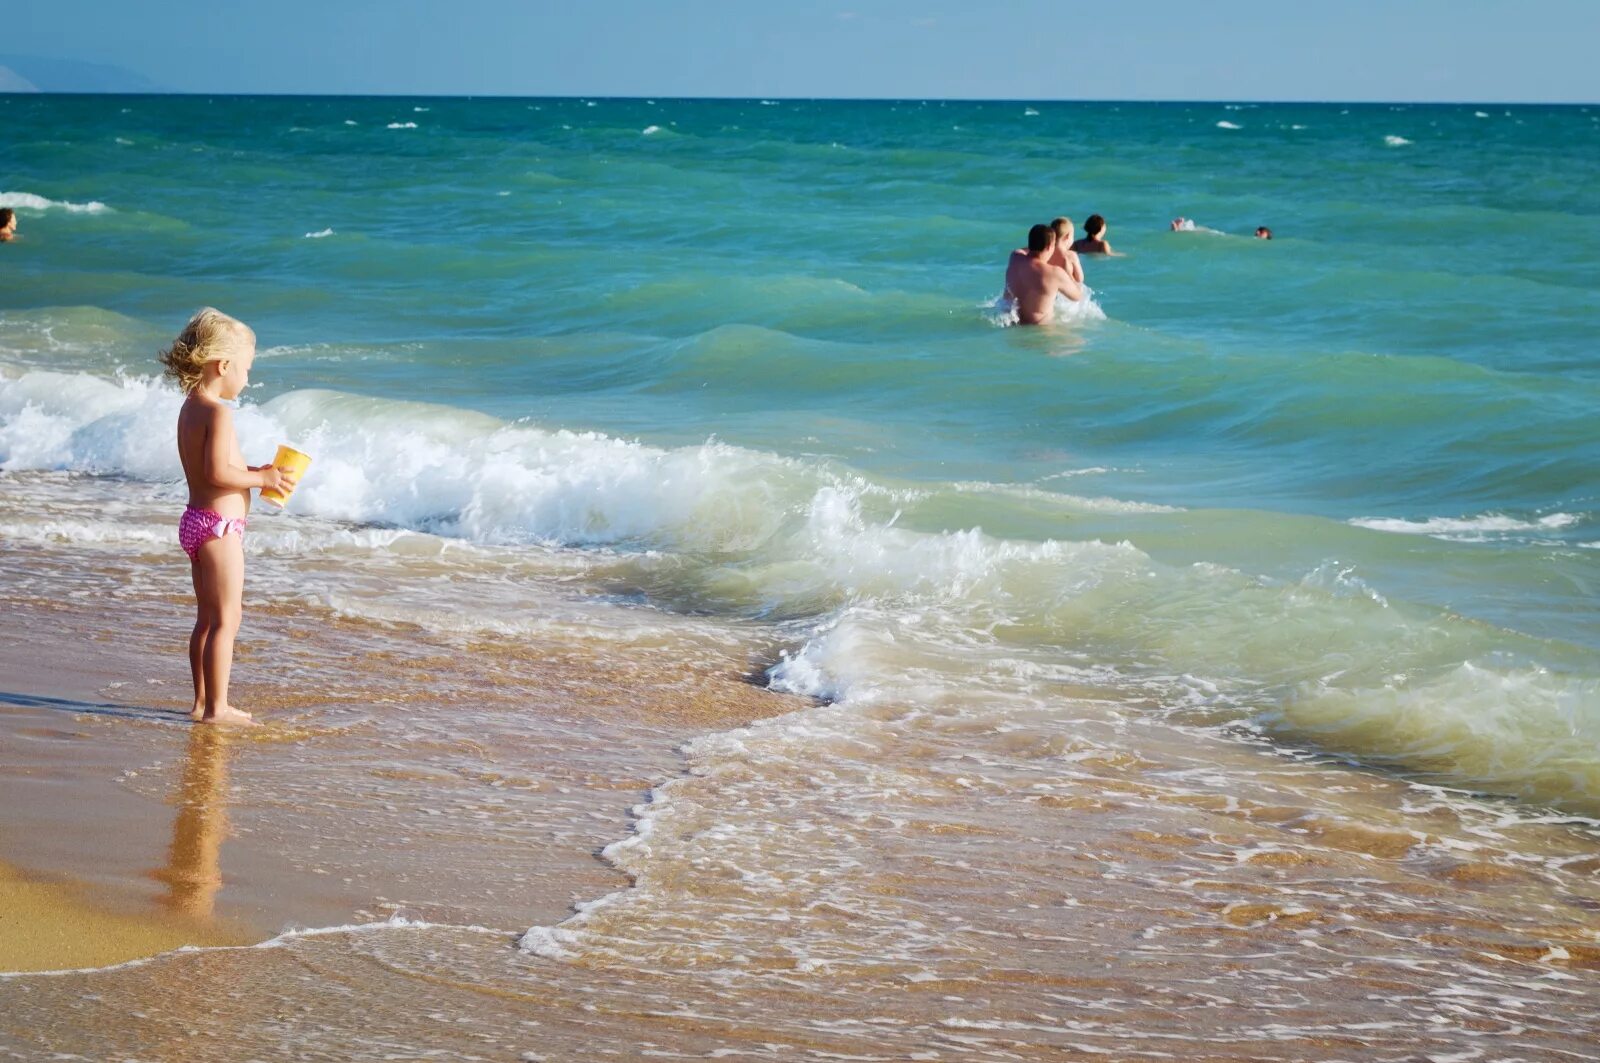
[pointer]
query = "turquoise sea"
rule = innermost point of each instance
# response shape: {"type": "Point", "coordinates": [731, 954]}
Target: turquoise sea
{"type": "Point", "coordinates": [736, 363]}
{"type": "Point", "coordinates": [1394, 405]}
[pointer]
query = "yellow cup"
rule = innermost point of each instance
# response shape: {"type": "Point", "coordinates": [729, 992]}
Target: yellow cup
{"type": "Point", "coordinates": [289, 460]}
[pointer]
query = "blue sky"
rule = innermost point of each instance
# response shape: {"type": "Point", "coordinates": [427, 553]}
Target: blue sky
{"type": "Point", "coordinates": [1471, 50]}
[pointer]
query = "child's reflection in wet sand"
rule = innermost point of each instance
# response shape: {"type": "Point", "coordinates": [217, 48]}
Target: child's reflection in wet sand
{"type": "Point", "coordinates": [193, 873]}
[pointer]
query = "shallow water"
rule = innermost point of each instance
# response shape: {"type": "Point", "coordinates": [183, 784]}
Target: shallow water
{"type": "Point", "coordinates": [1230, 654]}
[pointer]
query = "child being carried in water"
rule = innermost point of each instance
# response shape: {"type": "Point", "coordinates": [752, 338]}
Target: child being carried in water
{"type": "Point", "coordinates": [211, 360]}
{"type": "Point", "coordinates": [1063, 255]}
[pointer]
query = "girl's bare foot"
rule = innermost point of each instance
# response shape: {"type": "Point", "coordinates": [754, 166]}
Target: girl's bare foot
{"type": "Point", "coordinates": [231, 717]}
{"type": "Point", "coordinates": [198, 713]}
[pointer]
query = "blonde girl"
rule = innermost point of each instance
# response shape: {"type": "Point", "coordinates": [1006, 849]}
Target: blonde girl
{"type": "Point", "coordinates": [210, 360]}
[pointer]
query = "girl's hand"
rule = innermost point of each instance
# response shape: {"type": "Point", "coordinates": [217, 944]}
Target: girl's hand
{"type": "Point", "coordinates": [274, 478]}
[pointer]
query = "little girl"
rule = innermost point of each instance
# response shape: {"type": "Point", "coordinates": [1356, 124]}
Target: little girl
{"type": "Point", "coordinates": [210, 360]}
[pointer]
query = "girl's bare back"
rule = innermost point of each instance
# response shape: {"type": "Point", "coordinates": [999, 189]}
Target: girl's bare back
{"type": "Point", "coordinates": [207, 426]}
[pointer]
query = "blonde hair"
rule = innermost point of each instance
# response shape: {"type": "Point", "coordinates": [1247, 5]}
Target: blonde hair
{"type": "Point", "coordinates": [210, 336]}
{"type": "Point", "coordinates": [1063, 228]}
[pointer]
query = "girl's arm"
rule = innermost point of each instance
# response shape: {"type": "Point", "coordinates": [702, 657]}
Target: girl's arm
{"type": "Point", "coordinates": [220, 471]}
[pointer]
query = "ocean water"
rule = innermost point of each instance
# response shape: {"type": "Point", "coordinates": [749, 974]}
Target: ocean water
{"type": "Point", "coordinates": [1311, 523]}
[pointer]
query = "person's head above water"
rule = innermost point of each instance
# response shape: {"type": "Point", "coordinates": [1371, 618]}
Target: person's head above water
{"type": "Point", "coordinates": [1263, 233]}
{"type": "Point", "coordinates": [8, 224]}
{"type": "Point", "coordinates": [1062, 227]}
{"type": "Point", "coordinates": [1040, 239]}
{"type": "Point", "coordinates": [1094, 227]}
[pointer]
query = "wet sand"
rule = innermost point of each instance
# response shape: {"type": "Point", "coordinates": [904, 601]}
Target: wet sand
{"type": "Point", "coordinates": [131, 831]}
{"type": "Point", "coordinates": [54, 925]}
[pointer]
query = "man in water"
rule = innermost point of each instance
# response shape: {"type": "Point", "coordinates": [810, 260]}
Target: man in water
{"type": "Point", "coordinates": [1063, 256]}
{"type": "Point", "coordinates": [1263, 233]}
{"type": "Point", "coordinates": [1094, 238]}
{"type": "Point", "coordinates": [8, 225]}
{"type": "Point", "coordinates": [1032, 283]}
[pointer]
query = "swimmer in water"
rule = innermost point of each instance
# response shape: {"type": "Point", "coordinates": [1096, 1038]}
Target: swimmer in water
{"type": "Point", "coordinates": [1094, 238]}
{"type": "Point", "coordinates": [1032, 283]}
{"type": "Point", "coordinates": [1063, 256]}
{"type": "Point", "coordinates": [8, 225]}
{"type": "Point", "coordinates": [1263, 233]}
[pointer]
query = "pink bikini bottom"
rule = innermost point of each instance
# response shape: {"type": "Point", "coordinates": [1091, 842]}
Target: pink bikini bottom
{"type": "Point", "coordinates": [199, 525]}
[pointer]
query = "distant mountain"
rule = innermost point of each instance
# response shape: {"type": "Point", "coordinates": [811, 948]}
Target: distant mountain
{"type": "Point", "coordinates": [36, 73]}
{"type": "Point", "coordinates": [11, 81]}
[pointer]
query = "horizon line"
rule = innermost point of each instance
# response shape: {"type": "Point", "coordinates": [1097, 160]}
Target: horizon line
{"type": "Point", "coordinates": [806, 99]}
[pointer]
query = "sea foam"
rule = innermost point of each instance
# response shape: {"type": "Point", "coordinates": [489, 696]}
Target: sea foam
{"type": "Point", "coordinates": [29, 201]}
{"type": "Point", "coordinates": [1002, 312]}
{"type": "Point", "coordinates": [1475, 528]}
{"type": "Point", "coordinates": [895, 612]}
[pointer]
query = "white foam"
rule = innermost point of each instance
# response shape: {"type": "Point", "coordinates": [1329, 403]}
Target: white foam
{"type": "Point", "coordinates": [86, 423]}
{"type": "Point", "coordinates": [1078, 502]}
{"type": "Point", "coordinates": [1228, 125]}
{"type": "Point", "coordinates": [1480, 114]}
{"type": "Point", "coordinates": [350, 121]}
{"type": "Point", "coordinates": [424, 467]}
{"type": "Point", "coordinates": [1189, 225]}
{"type": "Point", "coordinates": [1467, 528]}
{"type": "Point", "coordinates": [1030, 113]}
{"type": "Point", "coordinates": [1002, 312]}
{"type": "Point", "coordinates": [394, 922]}
{"type": "Point", "coordinates": [905, 613]}
{"type": "Point", "coordinates": [1093, 470]}
{"type": "Point", "coordinates": [649, 129]}
{"type": "Point", "coordinates": [319, 234]}
{"type": "Point", "coordinates": [401, 125]}
{"type": "Point", "coordinates": [29, 201]}
{"type": "Point", "coordinates": [1394, 141]}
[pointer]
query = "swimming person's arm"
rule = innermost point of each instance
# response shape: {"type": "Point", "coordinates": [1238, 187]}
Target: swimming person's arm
{"type": "Point", "coordinates": [1067, 286]}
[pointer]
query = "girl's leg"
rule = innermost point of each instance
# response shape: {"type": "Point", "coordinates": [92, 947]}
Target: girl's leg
{"type": "Point", "coordinates": [197, 644]}
{"type": "Point", "coordinates": [219, 584]}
